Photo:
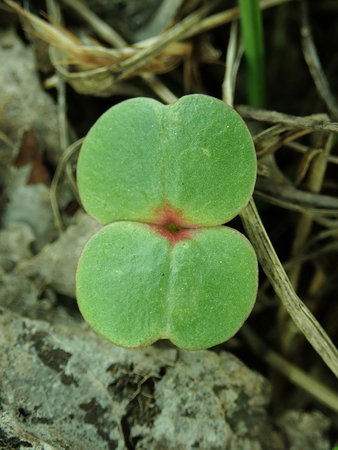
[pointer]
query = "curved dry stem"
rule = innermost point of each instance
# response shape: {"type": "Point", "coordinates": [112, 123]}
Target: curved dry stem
{"type": "Point", "coordinates": [315, 122]}
{"type": "Point", "coordinates": [293, 373]}
{"type": "Point", "coordinates": [55, 182]}
{"type": "Point", "coordinates": [300, 314]}
{"type": "Point", "coordinates": [288, 197]}
{"type": "Point", "coordinates": [228, 85]}
{"type": "Point", "coordinates": [314, 64]}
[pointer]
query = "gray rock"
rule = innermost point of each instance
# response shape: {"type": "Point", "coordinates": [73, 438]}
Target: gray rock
{"type": "Point", "coordinates": [56, 264]}
{"type": "Point", "coordinates": [28, 204]}
{"type": "Point", "coordinates": [305, 430]}
{"type": "Point", "coordinates": [24, 105]}
{"type": "Point", "coordinates": [15, 244]}
{"type": "Point", "coordinates": [209, 401]}
{"type": "Point", "coordinates": [63, 387]}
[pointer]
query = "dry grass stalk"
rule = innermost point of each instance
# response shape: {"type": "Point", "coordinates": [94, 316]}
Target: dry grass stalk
{"type": "Point", "coordinates": [300, 314]}
{"type": "Point", "coordinates": [82, 57]}
{"type": "Point", "coordinates": [104, 66]}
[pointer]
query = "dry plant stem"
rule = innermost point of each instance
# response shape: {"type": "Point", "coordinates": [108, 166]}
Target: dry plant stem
{"type": "Point", "coordinates": [64, 129]}
{"type": "Point", "coordinates": [311, 122]}
{"type": "Point", "coordinates": [173, 34]}
{"type": "Point", "coordinates": [103, 30]}
{"type": "Point", "coordinates": [228, 85]}
{"type": "Point", "coordinates": [227, 16]}
{"type": "Point", "coordinates": [107, 33]}
{"type": "Point", "coordinates": [232, 62]}
{"type": "Point", "coordinates": [189, 6]}
{"type": "Point", "coordinates": [308, 256]}
{"type": "Point", "coordinates": [275, 272]}
{"type": "Point", "coordinates": [316, 178]}
{"type": "Point", "coordinates": [305, 164]}
{"type": "Point", "coordinates": [304, 149]}
{"type": "Point", "coordinates": [271, 265]}
{"type": "Point", "coordinates": [318, 280]}
{"type": "Point", "coordinates": [304, 225]}
{"type": "Point", "coordinates": [57, 176]}
{"type": "Point", "coordinates": [286, 202]}
{"type": "Point", "coordinates": [330, 233]}
{"type": "Point", "coordinates": [55, 13]}
{"type": "Point", "coordinates": [319, 165]}
{"type": "Point", "coordinates": [287, 196]}
{"type": "Point", "coordinates": [75, 48]}
{"type": "Point", "coordinates": [290, 371]}
{"type": "Point", "coordinates": [328, 223]}
{"type": "Point", "coordinates": [100, 56]}
{"type": "Point", "coordinates": [268, 135]}
{"type": "Point", "coordinates": [190, 26]}
{"type": "Point", "coordinates": [313, 62]}
{"type": "Point", "coordinates": [159, 88]}
{"type": "Point", "coordinates": [280, 141]}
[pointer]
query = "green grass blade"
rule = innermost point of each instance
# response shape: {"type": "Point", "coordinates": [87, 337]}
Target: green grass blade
{"type": "Point", "coordinates": [252, 33]}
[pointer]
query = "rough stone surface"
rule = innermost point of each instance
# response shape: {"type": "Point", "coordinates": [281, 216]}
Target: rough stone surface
{"type": "Point", "coordinates": [65, 387]}
{"type": "Point", "coordinates": [23, 103]}
{"type": "Point", "coordinates": [67, 390]}
{"type": "Point", "coordinates": [305, 430]}
{"type": "Point", "coordinates": [217, 404]}
{"type": "Point", "coordinates": [28, 204]}
{"type": "Point", "coordinates": [15, 244]}
{"type": "Point", "coordinates": [56, 263]}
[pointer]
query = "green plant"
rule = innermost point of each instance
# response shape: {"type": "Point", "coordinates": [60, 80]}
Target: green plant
{"type": "Point", "coordinates": [252, 35]}
{"type": "Point", "coordinates": [165, 178]}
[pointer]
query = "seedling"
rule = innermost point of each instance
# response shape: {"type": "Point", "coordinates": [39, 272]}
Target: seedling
{"type": "Point", "coordinates": [164, 179]}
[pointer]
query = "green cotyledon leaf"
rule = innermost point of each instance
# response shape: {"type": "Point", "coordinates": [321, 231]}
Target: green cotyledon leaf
{"type": "Point", "coordinates": [134, 285]}
{"type": "Point", "coordinates": [141, 159]}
